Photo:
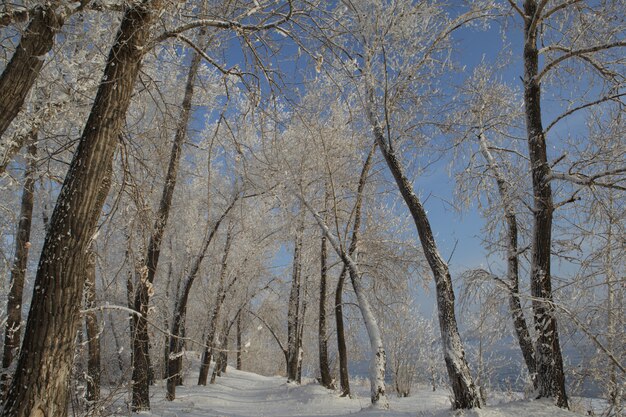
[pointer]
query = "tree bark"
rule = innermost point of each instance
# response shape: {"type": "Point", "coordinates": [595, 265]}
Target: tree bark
{"type": "Point", "coordinates": [213, 323]}
{"type": "Point", "coordinates": [239, 346]}
{"type": "Point", "coordinates": [515, 305]}
{"type": "Point", "coordinates": [465, 393]}
{"type": "Point", "coordinates": [548, 357]}
{"type": "Point", "coordinates": [342, 350]}
{"type": "Point", "coordinates": [93, 335]}
{"type": "Point", "coordinates": [12, 330]}
{"type": "Point", "coordinates": [141, 347]}
{"type": "Point", "coordinates": [20, 74]}
{"type": "Point", "coordinates": [41, 381]}
{"type": "Point", "coordinates": [293, 313]}
{"type": "Point", "coordinates": [325, 377]}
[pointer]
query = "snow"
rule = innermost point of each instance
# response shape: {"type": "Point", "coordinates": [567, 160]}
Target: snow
{"type": "Point", "coordinates": [244, 394]}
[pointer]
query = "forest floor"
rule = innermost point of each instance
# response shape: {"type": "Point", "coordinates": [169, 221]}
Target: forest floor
{"type": "Point", "coordinates": [244, 394]}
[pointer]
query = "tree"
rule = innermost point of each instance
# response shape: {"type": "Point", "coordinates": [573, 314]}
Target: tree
{"type": "Point", "coordinates": [325, 377]}
{"type": "Point", "coordinates": [378, 394]}
{"type": "Point", "coordinates": [180, 312]}
{"type": "Point", "coordinates": [40, 383]}
{"type": "Point", "coordinates": [558, 47]}
{"type": "Point", "coordinates": [214, 318]}
{"type": "Point", "coordinates": [20, 74]}
{"type": "Point", "coordinates": [141, 390]}
{"type": "Point", "coordinates": [488, 107]}
{"type": "Point", "coordinates": [384, 45]}
{"type": "Point", "coordinates": [13, 325]}
{"type": "Point", "coordinates": [295, 313]}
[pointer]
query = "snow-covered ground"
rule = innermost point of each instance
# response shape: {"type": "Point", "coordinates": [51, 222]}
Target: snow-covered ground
{"type": "Point", "coordinates": [239, 394]}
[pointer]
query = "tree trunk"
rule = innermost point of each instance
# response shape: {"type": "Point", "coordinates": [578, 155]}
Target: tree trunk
{"type": "Point", "coordinates": [342, 350]}
{"type": "Point", "coordinates": [548, 358]}
{"type": "Point", "coordinates": [344, 377]}
{"type": "Point", "coordinates": [20, 74]}
{"type": "Point", "coordinates": [465, 393]}
{"type": "Point", "coordinates": [293, 313]}
{"type": "Point", "coordinates": [141, 369]}
{"type": "Point", "coordinates": [180, 313]}
{"type": "Point", "coordinates": [515, 305]}
{"type": "Point", "coordinates": [378, 394]}
{"type": "Point", "coordinates": [93, 335]}
{"type": "Point", "coordinates": [219, 300]}
{"type": "Point", "coordinates": [221, 358]}
{"type": "Point", "coordinates": [41, 381]}
{"type": "Point", "coordinates": [239, 346]}
{"type": "Point", "coordinates": [326, 379]}
{"type": "Point", "coordinates": [12, 330]}
{"type": "Point", "coordinates": [301, 322]}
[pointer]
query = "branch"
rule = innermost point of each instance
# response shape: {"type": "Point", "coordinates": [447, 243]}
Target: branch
{"type": "Point", "coordinates": [576, 53]}
{"type": "Point", "coordinates": [15, 16]}
{"type": "Point", "coordinates": [222, 24]}
{"type": "Point", "coordinates": [518, 10]}
{"type": "Point", "coordinates": [558, 7]}
{"type": "Point", "coordinates": [206, 57]}
{"type": "Point", "coordinates": [592, 336]}
{"type": "Point", "coordinates": [267, 326]}
{"type": "Point", "coordinates": [581, 107]}
{"type": "Point", "coordinates": [582, 179]}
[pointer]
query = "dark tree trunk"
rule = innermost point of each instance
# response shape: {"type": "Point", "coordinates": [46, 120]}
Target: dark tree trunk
{"type": "Point", "coordinates": [41, 382]}
{"type": "Point", "coordinates": [20, 74]}
{"type": "Point", "coordinates": [213, 323]}
{"type": "Point", "coordinates": [239, 347]}
{"type": "Point", "coordinates": [93, 335]}
{"type": "Point", "coordinates": [301, 322]}
{"type": "Point", "coordinates": [293, 313]}
{"type": "Point", "coordinates": [141, 344]}
{"type": "Point", "coordinates": [342, 350]}
{"type": "Point", "coordinates": [548, 357]}
{"type": "Point", "coordinates": [180, 313]}
{"type": "Point", "coordinates": [221, 357]}
{"type": "Point", "coordinates": [325, 376]}
{"type": "Point", "coordinates": [12, 330]}
{"type": "Point", "coordinates": [465, 393]}
{"type": "Point", "coordinates": [515, 305]}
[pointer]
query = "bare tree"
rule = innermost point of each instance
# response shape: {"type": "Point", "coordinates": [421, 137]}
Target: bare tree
{"type": "Point", "coordinates": [395, 67]}
{"type": "Point", "coordinates": [559, 47]}
{"type": "Point", "coordinates": [13, 325]}
{"type": "Point", "coordinates": [40, 384]}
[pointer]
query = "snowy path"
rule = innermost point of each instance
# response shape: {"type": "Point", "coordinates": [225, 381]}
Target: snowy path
{"type": "Point", "coordinates": [243, 394]}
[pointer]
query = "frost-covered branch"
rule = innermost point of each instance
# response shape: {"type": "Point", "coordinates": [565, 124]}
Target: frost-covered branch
{"type": "Point", "coordinates": [224, 24]}
{"type": "Point", "coordinates": [573, 53]}
{"type": "Point", "coordinates": [582, 179]}
{"type": "Point", "coordinates": [582, 107]}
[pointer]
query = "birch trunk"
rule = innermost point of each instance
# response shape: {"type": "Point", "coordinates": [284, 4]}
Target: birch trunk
{"type": "Point", "coordinates": [41, 382]}
{"type": "Point", "coordinates": [548, 357]}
